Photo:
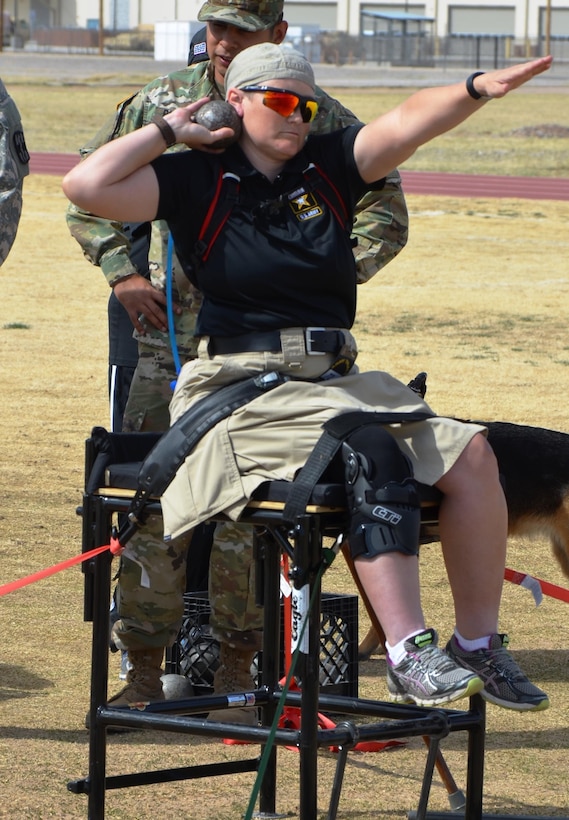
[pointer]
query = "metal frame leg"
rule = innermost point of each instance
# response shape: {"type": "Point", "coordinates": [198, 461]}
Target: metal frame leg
{"type": "Point", "coordinates": [268, 566]}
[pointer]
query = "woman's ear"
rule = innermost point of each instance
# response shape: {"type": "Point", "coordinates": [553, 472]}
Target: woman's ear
{"type": "Point", "coordinates": [235, 98]}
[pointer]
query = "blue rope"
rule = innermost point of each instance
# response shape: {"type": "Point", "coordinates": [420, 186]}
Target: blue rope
{"type": "Point", "coordinates": [170, 308]}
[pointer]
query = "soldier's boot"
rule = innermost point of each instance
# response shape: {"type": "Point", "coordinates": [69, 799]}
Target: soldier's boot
{"type": "Point", "coordinates": [143, 679]}
{"type": "Point", "coordinates": [234, 675]}
{"type": "Point", "coordinates": [144, 684]}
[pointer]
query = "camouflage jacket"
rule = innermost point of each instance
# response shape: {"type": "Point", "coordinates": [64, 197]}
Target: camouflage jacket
{"type": "Point", "coordinates": [381, 224]}
{"type": "Point", "coordinates": [14, 160]}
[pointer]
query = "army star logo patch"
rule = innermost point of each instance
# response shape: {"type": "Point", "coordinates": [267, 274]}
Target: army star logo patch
{"type": "Point", "coordinates": [305, 206]}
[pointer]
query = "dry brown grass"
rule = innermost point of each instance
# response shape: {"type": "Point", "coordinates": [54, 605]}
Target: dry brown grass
{"type": "Point", "coordinates": [499, 140]}
{"type": "Point", "coordinates": [479, 300]}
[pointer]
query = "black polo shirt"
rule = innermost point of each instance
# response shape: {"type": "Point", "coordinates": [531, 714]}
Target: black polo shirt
{"type": "Point", "coordinates": [282, 259]}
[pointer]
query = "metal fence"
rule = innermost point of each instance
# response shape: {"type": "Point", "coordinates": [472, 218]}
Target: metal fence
{"type": "Point", "coordinates": [91, 39]}
{"type": "Point", "coordinates": [461, 50]}
{"type": "Point", "coordinates": [337, 48]}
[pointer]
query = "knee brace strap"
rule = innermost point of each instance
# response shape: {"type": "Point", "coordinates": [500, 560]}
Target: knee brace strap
{"type": "Point", "coordinates": [385, 513]}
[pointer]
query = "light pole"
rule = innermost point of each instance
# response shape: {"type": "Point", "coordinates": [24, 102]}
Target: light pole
{"type": "Point", "coordinates": [547, 26]}
{"type": "Point", "coordinates": [101, 28]}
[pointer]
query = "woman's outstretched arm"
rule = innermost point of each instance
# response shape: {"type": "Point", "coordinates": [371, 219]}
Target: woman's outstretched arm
{"type": "Point", "coordinates": [389, 140]}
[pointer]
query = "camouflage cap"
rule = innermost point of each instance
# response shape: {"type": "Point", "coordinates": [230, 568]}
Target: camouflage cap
{"type": "Point", "coordinates": [251, 15]}
{"type": "Point", "coordinates": [267, 61]}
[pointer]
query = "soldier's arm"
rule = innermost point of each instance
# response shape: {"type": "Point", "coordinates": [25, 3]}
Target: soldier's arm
{"type": "Point", "coordinates": [107, 243]}
{"type": "Point", "coordinates": [381, 228]}
{"type": "Point", "coordinates": [382, 223]}
{"type": "Point", "coordinates": [14, 167]}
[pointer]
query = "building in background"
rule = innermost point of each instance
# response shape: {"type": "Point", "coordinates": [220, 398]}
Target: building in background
{"type": "Point", "coordinates": [516, 28]}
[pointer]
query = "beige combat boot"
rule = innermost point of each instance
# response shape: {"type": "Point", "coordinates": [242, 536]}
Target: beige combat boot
{"type": "Point", "coordinates": [234, 675]}
{"type": "Point", "coordinates": [143, 679]}
{"type": "Point", "coordinates": [144, 683]}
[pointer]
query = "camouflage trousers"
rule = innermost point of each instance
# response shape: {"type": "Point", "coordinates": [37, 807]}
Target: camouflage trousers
{"type": "Point", "coordinates": [150, 588]}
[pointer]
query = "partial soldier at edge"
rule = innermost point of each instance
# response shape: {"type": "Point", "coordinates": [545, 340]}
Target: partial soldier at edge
{"type": "Point", "coordinates": [14, 166]}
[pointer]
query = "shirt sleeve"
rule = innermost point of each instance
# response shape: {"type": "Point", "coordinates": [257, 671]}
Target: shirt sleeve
{"type": "Point", "coordinates": [185, 182]}
{"type": "Point", "coordinates": [334, 154]}
{"type": "Point", "coordinates": [381, 228]}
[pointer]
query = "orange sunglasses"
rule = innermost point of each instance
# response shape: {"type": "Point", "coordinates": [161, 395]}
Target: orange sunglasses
{"type": "Point", "coordinates": [286, 102]}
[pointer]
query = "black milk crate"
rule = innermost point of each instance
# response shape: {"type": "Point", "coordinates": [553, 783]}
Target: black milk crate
{"type": "Point", "coordinates": [196, 652]}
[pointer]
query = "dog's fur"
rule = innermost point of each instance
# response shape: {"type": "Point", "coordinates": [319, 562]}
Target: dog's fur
{"type": "Point", "coordinates": [534, 465]}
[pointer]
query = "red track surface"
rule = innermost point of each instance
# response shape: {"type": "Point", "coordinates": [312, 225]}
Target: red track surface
{"type": "Point", "coordinates": [414, 182]}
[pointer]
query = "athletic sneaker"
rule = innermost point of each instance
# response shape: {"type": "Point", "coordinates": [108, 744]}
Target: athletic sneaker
{"type": "Point", "coordinates": [427, 676]}
{"type": "Point", "coordinates": [504, 682]}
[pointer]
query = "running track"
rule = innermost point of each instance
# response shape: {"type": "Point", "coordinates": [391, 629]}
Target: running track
{"type": "Point", "coordinates": [414, 182]}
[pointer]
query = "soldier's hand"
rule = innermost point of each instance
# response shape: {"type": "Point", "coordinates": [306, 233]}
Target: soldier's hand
{"type": "Point", "coordinates": [143, 302]}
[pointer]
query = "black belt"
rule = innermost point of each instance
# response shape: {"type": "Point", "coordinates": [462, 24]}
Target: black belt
{"type": "Point", "coordinates": [316, 341]}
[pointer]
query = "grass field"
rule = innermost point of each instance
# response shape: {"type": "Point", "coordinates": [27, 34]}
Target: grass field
{"type": "Point", "coordinates": [478, 299]}
{"type": "Point", "coordinates": [504, 138]}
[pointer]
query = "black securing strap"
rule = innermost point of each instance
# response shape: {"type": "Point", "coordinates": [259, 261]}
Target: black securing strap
{"type": "Point", "coordinates": [336, 431]}
{"type": "Point", "coordinates": [169, 453]}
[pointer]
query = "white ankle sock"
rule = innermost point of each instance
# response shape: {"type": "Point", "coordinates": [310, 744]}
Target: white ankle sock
{"type": "Point", "coordinates": [473, 645]}
{"type": "Point", "coordinates": [397, 653]}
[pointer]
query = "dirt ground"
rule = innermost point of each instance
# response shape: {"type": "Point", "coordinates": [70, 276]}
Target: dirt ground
{"type": "Point", "coordinates": [479, 300]}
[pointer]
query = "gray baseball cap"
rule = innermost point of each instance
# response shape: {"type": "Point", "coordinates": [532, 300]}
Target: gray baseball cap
{"type": "Point", "coordinates": [266, 61]}
{"type": "Point", "coordinates": [250, 15]}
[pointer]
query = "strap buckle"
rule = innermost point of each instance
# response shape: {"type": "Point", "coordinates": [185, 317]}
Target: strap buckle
{"type": "Point", "coordinates": [309, 341]}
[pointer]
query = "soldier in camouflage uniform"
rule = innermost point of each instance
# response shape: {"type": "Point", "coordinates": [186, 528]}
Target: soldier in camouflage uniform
{"type": "Point", "coordinates": [14, 159]}
{"type": "Point", "coordinates": [380, 232]}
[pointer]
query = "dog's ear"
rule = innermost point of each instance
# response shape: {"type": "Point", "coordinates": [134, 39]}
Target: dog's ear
{"type": "Point", "coordinates": [419, 384]}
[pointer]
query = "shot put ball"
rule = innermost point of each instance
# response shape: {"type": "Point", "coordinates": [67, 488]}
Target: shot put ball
{"type": "Point", "coordinates": [176, 687]}
{"type": "Point", "coordinates": [219, 114]}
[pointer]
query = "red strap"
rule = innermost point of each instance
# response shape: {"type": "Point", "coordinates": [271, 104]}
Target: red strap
{"type": "Point", "coordinates": [210, 230]}
{"type": "Point", "coordinates": [212, 205]}
{"type": "Point", "coordinates": [45, 573]}
{"type": "Point", "coordinates": [343, 217]}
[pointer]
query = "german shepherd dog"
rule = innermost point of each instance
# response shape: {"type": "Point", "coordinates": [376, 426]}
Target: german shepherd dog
{"type": "Point", "coordinates": [534, 465]}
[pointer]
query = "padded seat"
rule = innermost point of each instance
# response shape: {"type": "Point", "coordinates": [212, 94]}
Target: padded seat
{"type": "Point", "coordinates": [275, 494]}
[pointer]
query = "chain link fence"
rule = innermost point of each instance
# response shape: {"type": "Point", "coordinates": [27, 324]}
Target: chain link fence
{"type": "Point", "coordinates": [333, 48]}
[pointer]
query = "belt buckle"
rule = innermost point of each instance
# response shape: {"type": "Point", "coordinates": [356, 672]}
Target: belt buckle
{"type": "Point", "coordinates": [308, 341]}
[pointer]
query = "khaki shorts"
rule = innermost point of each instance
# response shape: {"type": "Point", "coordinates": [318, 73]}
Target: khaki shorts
{"type": "Point", "coordinates": [271, 437]}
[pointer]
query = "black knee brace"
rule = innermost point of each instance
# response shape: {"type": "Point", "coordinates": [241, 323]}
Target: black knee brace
{"type": "Point", "coordinates": [385, 514]}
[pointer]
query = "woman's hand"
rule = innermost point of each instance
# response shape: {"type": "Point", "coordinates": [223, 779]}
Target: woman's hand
{"type": "Point", "coordinates": [191, 133]}
{"type": "Point", "coordinates": [495, 84]}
